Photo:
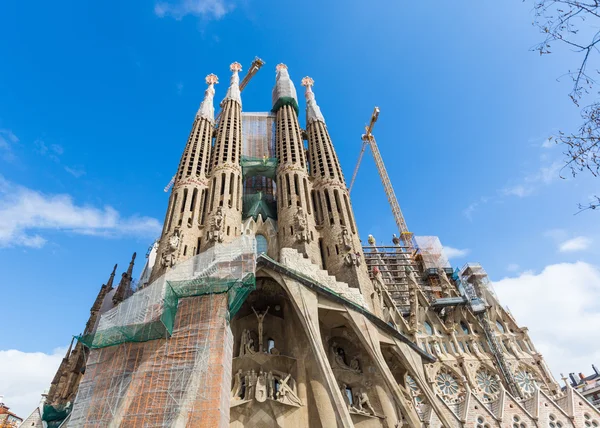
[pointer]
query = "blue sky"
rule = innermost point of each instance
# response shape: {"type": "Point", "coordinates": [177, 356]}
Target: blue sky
{"type": "Point", "coordinates": [97, 99]}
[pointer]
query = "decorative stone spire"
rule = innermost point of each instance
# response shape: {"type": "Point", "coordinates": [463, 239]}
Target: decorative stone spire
{"type": "Point", "coordinates": [124, 284]}
{"type": "Point", "coordinates": [313, 112]}
{"type": "Point", "coordinates": [233, 93]}
{"type": "Point", "coordinates": [207, 108]}
{"type": "Point", "coordinates": [284, 92]}
{"type": "Point", "coordinates": [111, 279]}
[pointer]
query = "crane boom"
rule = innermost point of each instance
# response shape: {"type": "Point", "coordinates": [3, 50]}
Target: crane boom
{"type": "Point", "coordinates": [369, 139]}
{"type": "Point", "coordinates": [254, 67]}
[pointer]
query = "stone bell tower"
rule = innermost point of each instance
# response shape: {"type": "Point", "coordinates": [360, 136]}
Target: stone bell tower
{"type": "Point", "coordinates": [224, 209]}
{"type": "Point", "coordinates": [182, 230]}
{"type": "Point", "coordinates": [339, 243]}
{"type": "Point", "coordinates": [296, 225]}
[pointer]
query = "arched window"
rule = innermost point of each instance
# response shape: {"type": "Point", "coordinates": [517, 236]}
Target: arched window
{"type": "Point", "coordinates": [261, 244]}
{"type": "Point", "coordinates": [270, 345]}
{"type": "Point", "coordinates": [500, 327]}
{"type": "Point", "coordinates": [349, 395]}
{"type": "Point", "coordinates": [428, 328]}
{"type": "Point", "coordinates": [464, 327]}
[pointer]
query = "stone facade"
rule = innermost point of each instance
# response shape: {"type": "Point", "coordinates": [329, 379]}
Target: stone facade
{"type": "Point", "coordinates": [334, 334]}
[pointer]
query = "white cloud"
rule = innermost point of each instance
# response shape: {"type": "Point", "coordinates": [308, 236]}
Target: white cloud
{"type": "Point", "coordinates": [208, 9]}
{"type": "Point", "coordinates": [560, 307]}
{"type": "Point", "coordinates": [545, 175]}
{"type": "Point", "coordinates": [579, 243]}
{"type": "Point", "coordinates": [25, 375]}
{"type": "Point", "coordinates": [513, 267]}
{"type": "Point", "coordinates": [548, 143]}
{"type": "Point", "coordinates": [455, 253]}
{"type": "Point", "coordinates": [75, 172]}
{"type": "Point", "coordinates": [519, 190]}
{"type": "Point", "coordinates": [25, 212]}
{"type": "Point", "coordinates": [7, 140]}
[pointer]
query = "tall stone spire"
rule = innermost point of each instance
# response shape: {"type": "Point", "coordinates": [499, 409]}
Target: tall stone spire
{"type": "Point", "coordinates": [207, 108]}
{"type": "Point", "coordinates": [124, 287]}
{"type": "Point", "coordinates": [313, 111]}
{"type": "Point", "coordinates": [95, 309]}
{"type": "Point", "coordinates": [224, 209]}
{"type": "Point", "coordinates": [233, 92]}
{"type": "Point", "coordinates": [111, 278]}
{"type": "Point", "coordinates": [296, 224]}
{"type": "Point", "coordinates": [341, 246]}
{"type": "Point", "coordinates": [182, 230]}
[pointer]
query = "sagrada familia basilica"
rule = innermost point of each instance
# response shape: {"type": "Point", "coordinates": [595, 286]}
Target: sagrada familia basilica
{"type": "Point", "coordinates": [260, 306]}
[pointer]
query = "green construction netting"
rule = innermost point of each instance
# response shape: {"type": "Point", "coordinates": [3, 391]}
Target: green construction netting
{"type": "Point", "coordinates": [54, 416]}
{"type": "Point", "coordinates": [259, 203]}
{"type": "Point", "coordinates": [150, 313]}
{"type": "Point", "coordinates": [286, 101]}
{"type": "Point", "coordinates": [264, 167]}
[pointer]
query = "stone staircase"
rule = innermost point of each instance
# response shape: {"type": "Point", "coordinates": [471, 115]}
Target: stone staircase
{"type": "Point", "coordinates": [294, 260]}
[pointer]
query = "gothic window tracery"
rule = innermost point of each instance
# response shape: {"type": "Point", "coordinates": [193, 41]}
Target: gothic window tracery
{"type": "Point", "coordinates": [517, 422]}
{"type": "Point", "coordinates": [487, 382]}
{"type": "Point", "coordinates": [481, 423]}
{"type": "Point", "coordinates": [525, 380]}
{"type": "Point", "coordinates": [554, 422]}
{"type": "Point", "coordinates": [589, 422]}
{"type": "Point", "coordinates": [464, 327]}
{"type": "Point", "coordinates": [500, 327]}
{"type": "Point", "coordinates": [448, 385]}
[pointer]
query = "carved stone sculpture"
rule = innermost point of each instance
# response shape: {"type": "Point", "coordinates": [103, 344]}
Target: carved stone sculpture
{"type": "Point", "coordinates": [286, 392]}
{"type": "Point", "coordinates": [216, 232]}
{"type": "Point", "coordinates": [345, 239]}
{"type": "Point", "coordinates": [352, 259]}
{"type": "Point", "coordinates": [363, 404]}
{"type": "Point", "coordinates": [168, 256]}
{"type": "Point", "coordinates": [301, 226]}
{"type": "Point", "coordinates": [261, 387]}
{"type": "Point", "coordinates": [261, 319]}
{"type": "Point", "coordinates": [236, 392]}
{"type": "Point", "coordinates": [339, 360]}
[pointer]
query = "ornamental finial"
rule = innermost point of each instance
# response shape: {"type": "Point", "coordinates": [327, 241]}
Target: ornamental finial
{"type": "Point", "coordinates": [280, 67]}
{"type": "Point", "coordinates": [211, 79]}
{"type": "Point", "coordinates": [236, 66]}
{"type": "Point", "coordinates": [308, 82]}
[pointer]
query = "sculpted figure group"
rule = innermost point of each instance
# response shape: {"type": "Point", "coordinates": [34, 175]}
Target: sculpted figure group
{"type": "Point", "coordinates": [357, 402]}
{"type": "Point", "coordinates": [265, 385]}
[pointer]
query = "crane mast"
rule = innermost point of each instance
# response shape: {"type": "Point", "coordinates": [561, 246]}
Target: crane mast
{"type": "Point", "coordinates": [369, 139]}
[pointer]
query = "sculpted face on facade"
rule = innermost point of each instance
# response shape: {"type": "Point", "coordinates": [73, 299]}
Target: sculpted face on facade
{"type": "Point", "coordinates": [308, 327]}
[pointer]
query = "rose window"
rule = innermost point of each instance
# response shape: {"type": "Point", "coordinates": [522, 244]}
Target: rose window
{"type": "Point", "coordinates": [525, 380]}
{"type": "Point", "coordinates": [487, 382]}
{"type": "Point", "coordinates": [447, 383]}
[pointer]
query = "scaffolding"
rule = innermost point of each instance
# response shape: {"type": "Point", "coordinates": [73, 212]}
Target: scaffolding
{"type": "Point", "coordinates": [391, 262]}
{"type": "Point", "coordinates": [259, 165]}
{"type": "Point", "coordinates": [162, 358]}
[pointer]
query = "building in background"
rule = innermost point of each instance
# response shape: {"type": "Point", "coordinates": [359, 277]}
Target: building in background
{"type": "Point", "coordinates": [259, 305]}
{"type": "Point", "coordinates": [7, 418]}
{"type": "Point", "coordinates": [588, 386]}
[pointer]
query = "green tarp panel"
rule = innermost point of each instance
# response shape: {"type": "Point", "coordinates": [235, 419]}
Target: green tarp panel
{"type": "Point", "coordinates": [263, 167]}
{"type": "Point", "coordinates": [259, 203]}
